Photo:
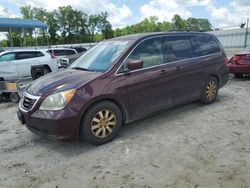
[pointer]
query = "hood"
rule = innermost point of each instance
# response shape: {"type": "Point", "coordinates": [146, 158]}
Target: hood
{"type": "Point", "coordinates": [60, 81]}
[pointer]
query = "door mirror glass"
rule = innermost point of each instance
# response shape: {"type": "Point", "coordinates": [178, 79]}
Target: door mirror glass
{"type": "Point", "coordinates": [135, 64]}
{"type": "Point", "coordinates": [63, 63]}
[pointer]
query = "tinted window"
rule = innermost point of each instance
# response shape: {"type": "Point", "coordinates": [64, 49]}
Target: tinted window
{"type": "Point", "coordinates": [62, 52]}
{"type": "Point", "coordinates": [25, 55]}
{"type": "Point", "coordinates": [70, 52]}
{"type": "Point", "coordinates": [59, 52]}
{"type": "Point", "coordinates": [7, 57]}
{"type": "Point", "coordinates": [39, 54]}
{"type": "Point", "coordinates": [149, 51]}
{"type": "Point", "coordinates": [205, 45]}
{"type": "Point", "coordinates": [177, 48]}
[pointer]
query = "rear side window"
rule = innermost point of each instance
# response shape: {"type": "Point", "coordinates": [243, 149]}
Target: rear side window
{"type": "Point", "coordinates": [7, 57]}
{"type": "Point", "coordinates": [177, 48]}
{"type": "Point", "coordinates": [25, 55]}
{"type": "Point", "coordinates": [62, 52]}
{"type": "Point", "coordinates": [70, 52]}
{"type": "Point", "coordinates": [204, 45]}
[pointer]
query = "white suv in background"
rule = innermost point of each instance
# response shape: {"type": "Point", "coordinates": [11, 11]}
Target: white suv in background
{"type": "Point", "coordinates": [59, 52]}
{"type": "Point", "coordinates": [16, 64]}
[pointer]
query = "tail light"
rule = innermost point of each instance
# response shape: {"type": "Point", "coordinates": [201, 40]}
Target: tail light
{"type": "Point", "coordinates": [53, 55]}
{"type": "Point", "coordinates": [236, 60]}
{"type": "Point", "coordinates": [225, 60]}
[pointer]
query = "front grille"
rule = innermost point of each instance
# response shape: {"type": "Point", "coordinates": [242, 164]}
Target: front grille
{"type": "Point", "coordinates": [28, 102]}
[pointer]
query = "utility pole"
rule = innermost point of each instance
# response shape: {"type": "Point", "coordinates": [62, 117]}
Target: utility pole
{"type": "Point", "coordinates": [245, 42]}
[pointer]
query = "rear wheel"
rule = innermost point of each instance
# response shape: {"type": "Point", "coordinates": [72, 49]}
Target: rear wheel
{"type": "Point", "coordinates": [210, 90]}
{"type": "Point", "coordinates": [101, 123]}
{"type": "Point", "coordinates": [14, 97]}
{"type": "Point", "coordinates": [238, 75]}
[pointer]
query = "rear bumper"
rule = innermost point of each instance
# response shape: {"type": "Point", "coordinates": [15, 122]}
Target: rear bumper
{"type": "Point", "coordinates": [223, 76]}
{"type": "Point", "coordinates": [239, 69]}
{"type": "Point", "coordinates": [51, 123]}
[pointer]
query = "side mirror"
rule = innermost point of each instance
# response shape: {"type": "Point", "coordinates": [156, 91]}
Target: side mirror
{"type": "Point", "coordinates": [63, 63]}
{"type": "Point", "coordinates": [135, 64]}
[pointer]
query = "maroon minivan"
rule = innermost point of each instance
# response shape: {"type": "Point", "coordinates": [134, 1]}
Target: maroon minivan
{"type": "Point", "coordinates": [124, 79]}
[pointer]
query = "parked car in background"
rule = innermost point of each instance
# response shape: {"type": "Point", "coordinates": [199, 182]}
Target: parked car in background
{"type": "Point", "coordinates": [80, 49]}
{"type": "Point", "coordinates": [239, 64]}
{"type": "Point", "coordinates": [124, 79]}
{"type": "Point", "coordinates": [16, 64]}
{"type": "Point", "coordinates": [66, 61]}
{"type": "Point", "coordinates": [59, 52]}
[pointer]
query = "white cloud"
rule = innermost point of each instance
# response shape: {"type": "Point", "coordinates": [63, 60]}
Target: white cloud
{"type": "Point", "coordinates": [243, 2]}
{"type": "Point", "coordinates": [117, 14]}
{"type": "Point", "coordinates": [232, 15]}
{"type": "Point", "coordinates": [6, 13]}
{"type": "Point", "coordinates": [194, 2]}
{"type": "Point", "coordinates": [164, 10]}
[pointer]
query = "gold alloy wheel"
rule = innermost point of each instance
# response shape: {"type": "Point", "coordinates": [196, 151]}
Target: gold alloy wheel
{"type": "Point", "coordinates": [103, 123]}
{"type": "Point", "coordinates": [211, 90]}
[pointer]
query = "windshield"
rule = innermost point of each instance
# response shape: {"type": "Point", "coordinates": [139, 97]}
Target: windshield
{"type": "Point", "coordinates": [101, 57]}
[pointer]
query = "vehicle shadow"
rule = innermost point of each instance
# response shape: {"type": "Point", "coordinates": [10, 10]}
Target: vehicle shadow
{"type": "Point", "coordinates": [244, 78]}
{"type": "Point", "coordinates": [128, 132]}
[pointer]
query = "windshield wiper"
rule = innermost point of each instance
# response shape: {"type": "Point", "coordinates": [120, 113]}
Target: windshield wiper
{"type": "Point", "coordinates": [80, 68]}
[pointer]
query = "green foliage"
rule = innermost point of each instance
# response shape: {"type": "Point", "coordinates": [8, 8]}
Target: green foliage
{"type": "Point", "coordinates": [68, 25]}
{"type": "Point", "coordinates": [242, 25]}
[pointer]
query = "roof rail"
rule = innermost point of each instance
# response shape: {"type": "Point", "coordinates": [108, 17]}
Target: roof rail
{"type": "Point", "coordinates": [185, 30]}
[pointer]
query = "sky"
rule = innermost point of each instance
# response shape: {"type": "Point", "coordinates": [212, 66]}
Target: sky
{"type": "Point", "coordinates": [220, 13]}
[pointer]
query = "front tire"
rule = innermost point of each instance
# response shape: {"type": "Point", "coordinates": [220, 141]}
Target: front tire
{"type": "Point", "coordinates": [210, 90]}
{"type": "Point", "coordinates": [46, 70]}
{"type": "Point", "coordinates": [101, 123]}
{"type": "Point", "coordinates": [14, 97]}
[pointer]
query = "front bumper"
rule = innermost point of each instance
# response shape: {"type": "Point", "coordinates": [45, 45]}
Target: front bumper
{"type": "Point", "coordinates": [60, 124]}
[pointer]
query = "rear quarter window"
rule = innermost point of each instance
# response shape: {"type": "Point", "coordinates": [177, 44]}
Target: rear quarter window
{"type": "Point", "coordinates": [205, 45]}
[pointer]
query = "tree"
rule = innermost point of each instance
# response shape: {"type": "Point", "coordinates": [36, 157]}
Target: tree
{"type": "Point", "coordinates": [27, 13]}
{"type": "Point", "coordinates": [178, 22]}
{"type": "Point", "coordinates": [242, 25]}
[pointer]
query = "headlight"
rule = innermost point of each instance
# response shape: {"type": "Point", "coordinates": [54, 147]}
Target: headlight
{"type": "Point", "coordinates": [58, 101]}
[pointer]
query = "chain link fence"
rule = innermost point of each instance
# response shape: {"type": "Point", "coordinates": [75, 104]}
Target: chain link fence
{"type": "Point", "coordinates": [233, 40]}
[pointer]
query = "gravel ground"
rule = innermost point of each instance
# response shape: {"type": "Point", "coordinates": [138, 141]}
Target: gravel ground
{"type": "Point", "coordinates": [190, 146]}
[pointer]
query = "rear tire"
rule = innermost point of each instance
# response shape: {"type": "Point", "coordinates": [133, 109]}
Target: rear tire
{"type": "Point", "coordinates": [101, 123]}
{"type": "Point", "coordinates": [1, 98]}
{"type": "Point", "coordinates": [238, 75]}
{"type": "Point", "coordinates": [210, 90]}
{"type": "Point", "coordinates": [14, 97]}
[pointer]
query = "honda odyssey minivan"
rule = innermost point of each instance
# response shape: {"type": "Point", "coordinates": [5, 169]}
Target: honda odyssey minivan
{"type": "Point", "coordinates": [124, 79]}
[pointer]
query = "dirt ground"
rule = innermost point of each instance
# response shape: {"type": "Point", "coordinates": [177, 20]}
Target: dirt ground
{"type": "Point", "coordinates": [191, 146]}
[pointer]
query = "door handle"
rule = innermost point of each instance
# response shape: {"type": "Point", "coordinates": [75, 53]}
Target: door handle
{"type": "Point", "coordinates": [178, 68]}
{"type": "Point", "coordinates": [163, 71]}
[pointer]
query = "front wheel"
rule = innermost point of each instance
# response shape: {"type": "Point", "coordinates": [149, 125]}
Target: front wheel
{"type": "Point", "coordinates": [14, 97]}
{"type": "Point", "coordinates": [210, 90]}
{"type": "Point", "coordinates": [46, 70]}
{"type": "Point", "coordinates": [101, 123]}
